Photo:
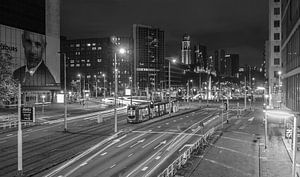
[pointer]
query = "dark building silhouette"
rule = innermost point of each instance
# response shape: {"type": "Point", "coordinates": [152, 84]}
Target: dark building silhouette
{"type": "Point", "coordinates": [149, 57]}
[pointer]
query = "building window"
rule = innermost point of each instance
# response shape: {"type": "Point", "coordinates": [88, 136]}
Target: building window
{"type": "Point", "coordinates": [71, 61]}
{"type": "Point", "coordinates": [99, 48]}
{"type": "Point", "coordinates": [276, 36]}
{"type": "Point", "coordinates": [99, 60]}
{"type": "Point", "coordinates": [276, 23]}
{"type": "Point", "coordinates": [93, 44]}
{"type": "Point", "coordinates": [276, 61]}
{"type": "Point", "coordinates": [94, 48]}
{"type": "Point", "coordinates": [88, 44]}
{"type": "Point", "coordinates": [71, 45]}
{"type": "Point", "coordinates": [277, 11]}
{"type": "Point", "coordinates": [77, 45]}
{"type": "Point", "coordinates": [78, 65]}
{"type": "Point", "coordinates": [276, 48]}
{"type": "Point", "coordinates": [88, 64]}
{"type": "Point", "coordinates": [71, 65]}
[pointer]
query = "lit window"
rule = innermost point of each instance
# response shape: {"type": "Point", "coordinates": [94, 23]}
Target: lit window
{"type": "Point", "coordinates": [88, 60]}
{"type": "Point", "coordinates": [94, 48]}
{"type": "Point", "coordinates": [94, 44]}
{"type": "Point", "coordinates": [77, 45]}
{"type": "Point", "coordinates": [88, 76]}
{"type": "Point", "coordinates": [88, 64]}
{"type": "Point", "coordinates": [78, 65]}
{"type": "Point", "coordinates": [99, 60]}
{"type": "Point", "coordinates": [99, 48]}
{"type": "Point", "coordinates": [71, 61]}
{"type": "Point", "coordinates": [88, 44]}
{"type": "Point", "coordinates": [71, 65]}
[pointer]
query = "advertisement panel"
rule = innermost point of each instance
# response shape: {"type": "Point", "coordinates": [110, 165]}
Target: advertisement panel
{"type": "Point", "coordinates": [35, 58]}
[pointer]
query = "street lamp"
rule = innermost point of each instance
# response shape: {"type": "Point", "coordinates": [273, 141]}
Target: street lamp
{"type": "Point", "coordinates": [96, 80]}
{"type": "Point", "coordinates": [103, 85]}
{"type": "Point", "coordinates": [121, 51]}
{"type": "Point", "coordinates": [173, 61]}
{"type": "Point", "coordinates": [43, 107]}
{"type": "Point", "coordinates": [65, 91]}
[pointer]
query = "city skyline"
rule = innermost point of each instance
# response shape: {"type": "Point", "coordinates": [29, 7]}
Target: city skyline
{"type": "Point", "coordinates": [237, 27]}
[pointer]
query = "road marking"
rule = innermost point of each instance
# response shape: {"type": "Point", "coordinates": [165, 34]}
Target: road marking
{"type": "Point", "coordinates": [138, 142]}
{"type": "Point", "coordinates": [251, 119]}
{"type": "Point", "coordinates": [186, 145]}
{"type": "Point", "coordinates": [131, 140]}
{"type": "Point", "coordinates": [167, 123]}
{"type": "Point", "coordinates": [2, 142]}
{"type": "Point", "coordinates": [161, 143]}
{"type": "Point", "coordinates": [9, 135]}
{"type": "Point", "coordinates": [153, 140]}
{"type": "Point", "coordinates": [83, 164]}
{"type": "Point", "coordinates": [103, 153]}
{"type": "Point", "coordinates": [242, 127]}
{"type": "Point", "coordinates": [158, 126]}
{"type": "Point", "coordinates": [130, 154]}
{"type": "Point", "coordinates": [181, 118]}
{"type": "Point", "coordinates": [144, 169]}
{"type": "Point", "coordinates": [29, 130]}
{"type": "Point", "coordinates": [158, 157]}
{"type": "Point", "coordinates": [113, 166]}
{"type": "Point", "coordinates": [174, 120]}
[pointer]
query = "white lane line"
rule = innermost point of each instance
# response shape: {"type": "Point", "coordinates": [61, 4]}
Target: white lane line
{"type": "Point", "coordinates": [167, 123]}
{"type": "Point", "coordinates": [144, 169]}
{"type": "Point", "coordinates": [158, 157]}
{"type": "Point", "coordinates": [103, 153]}
{"type": "Point", "coordinates": [113, 166]}
{"type": "Point", "coordinates": [29, 130]}
{"type": "Point", "coordinates": [130, 140]}
{"type": "Point", "coordinates": [181, 118]}
{"type": "Point", "coordinates": [9, 135]}
{"type": "Point", "coordinates": [130, 155]}
{"type": "Point", "coordinates": [153, 140]}
{"type": "Point", "coordinates": [83, 164]}
{"type": "Point", "coordinates": [2, 142]}
{"type": "Point", "coordinates": [251, 119]}
{"type": "Point", "coordinates": [158, 126]}
{"type": "Point", "coordinates": [174, 120]}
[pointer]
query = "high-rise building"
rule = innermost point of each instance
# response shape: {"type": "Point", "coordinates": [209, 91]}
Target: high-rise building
{"type": "Point", "coordinates": [231, 67]}
{"type": "Point", "coordinates": [200, 58]}
{"type": "Point", "coordinates": [274, 60]}
{"type": "Point", "coordinates": [24, 23]}
{"type": "Point", "coordinates": [290, 54]}
{"type": "Point", "coordinates": [219, 59]}
{"type": "Point", "coordinates": [148, 57]}
{"type": "Point", "coordinates": [186, 50]}
{"type": "Point", "coordinates": [88, 60]}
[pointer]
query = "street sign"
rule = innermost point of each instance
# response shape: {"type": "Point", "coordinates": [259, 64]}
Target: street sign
{"type": "Point", "coordinates": [26, 114]}
{"type": "Point", "coordinates": [288, 133]}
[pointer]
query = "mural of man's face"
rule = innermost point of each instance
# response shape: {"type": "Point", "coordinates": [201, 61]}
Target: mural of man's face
{"type": "Point", "coordinates": [34, 46]}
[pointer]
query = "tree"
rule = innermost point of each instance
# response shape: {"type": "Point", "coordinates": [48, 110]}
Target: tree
{"type": "Point", "coordinates": [8, 86]}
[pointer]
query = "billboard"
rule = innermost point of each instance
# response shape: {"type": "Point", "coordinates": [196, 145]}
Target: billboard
{"type": "Point", "coordinates": [36, 63]}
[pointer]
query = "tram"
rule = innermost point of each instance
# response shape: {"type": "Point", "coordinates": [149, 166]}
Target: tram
{"type": "Point", "coordinates": [144, 112]}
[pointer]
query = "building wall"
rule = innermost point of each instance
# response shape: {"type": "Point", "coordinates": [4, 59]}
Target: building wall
{"type": "Point", "coordinates": [40, 18]}
{"type": "Point", "coordinates": [148, 62]}
{"type": "Point", "coordinates": [186, 50]}
{"type": "Point", "coordinates": [274, 60]}
{"type": "Point", "coordinates": [291, 54]}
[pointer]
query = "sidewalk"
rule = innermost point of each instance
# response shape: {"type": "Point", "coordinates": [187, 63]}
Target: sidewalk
{"type": "Point", "coordinates": [240, 151]}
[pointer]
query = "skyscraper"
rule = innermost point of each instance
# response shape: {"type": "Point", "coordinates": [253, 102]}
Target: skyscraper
{"type": "Point", "coordinates": [148, 57]}
{"type": "Point", "coordinates": [186, 50]}
{"type": "Point", "coordinates": [231, 67]}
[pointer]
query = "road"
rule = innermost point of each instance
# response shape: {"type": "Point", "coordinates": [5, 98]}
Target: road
{"type": "Point", "coordinates": [143, 152]}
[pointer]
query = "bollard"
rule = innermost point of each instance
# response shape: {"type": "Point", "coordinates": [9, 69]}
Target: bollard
{"type": "Point", "coordinates": [100, 118]}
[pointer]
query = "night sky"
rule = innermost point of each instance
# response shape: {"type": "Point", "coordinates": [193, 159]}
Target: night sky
{"type": "Point", "coordinates": [238, 26]}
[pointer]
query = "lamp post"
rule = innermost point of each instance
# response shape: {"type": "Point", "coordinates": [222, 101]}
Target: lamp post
{"type": "Point", "coordinates": [174, 61]}
{"type": "Point", "coordinates": [121, 51]}
{"type": "Point", "coordinates": [96, 80]}
{"type": "Point", "coordinates": [103, 85]}
{"type": "Point", "coordinates": [43, 106]}
{"type": "Point", "coordinates": [65, 91]}
{"type": "Point", "coordinates": [279, 87]}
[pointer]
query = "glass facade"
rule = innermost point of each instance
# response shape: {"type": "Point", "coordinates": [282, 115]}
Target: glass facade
{"type": "Point", "coordinates": [291, 54]}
